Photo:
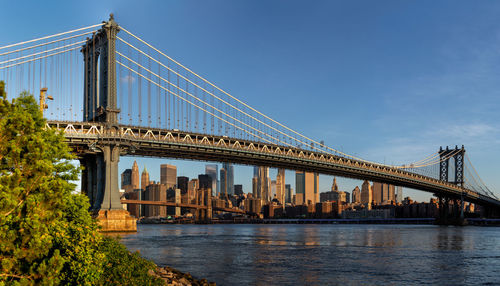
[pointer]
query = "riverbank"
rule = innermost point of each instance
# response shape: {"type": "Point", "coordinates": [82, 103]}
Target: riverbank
{"type": "Point", "coordinates": [174, 277]}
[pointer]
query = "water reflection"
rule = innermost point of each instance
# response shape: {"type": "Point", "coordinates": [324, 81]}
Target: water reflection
{"type": "Point", "coordinates": [324, 254]}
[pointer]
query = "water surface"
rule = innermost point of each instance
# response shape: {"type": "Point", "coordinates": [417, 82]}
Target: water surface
{"type": "Point", "coordinates": [325, 254]}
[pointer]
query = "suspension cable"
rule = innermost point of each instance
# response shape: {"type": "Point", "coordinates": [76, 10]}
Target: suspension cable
{"type": "Point", "coordinates": [306, 144]}
{"type": "Point", "coordinates": [39, 58]}
{"type": "Point", "coordinates": [195, 105]}
{"type": "Point", "coordinates": [48, 37]}
{"type": "Point", "coordinates": [186, 92]}
{"type": "Point", "coordinates": [248, 106]}
{"type": "Point", "coordinates": [42, 52]}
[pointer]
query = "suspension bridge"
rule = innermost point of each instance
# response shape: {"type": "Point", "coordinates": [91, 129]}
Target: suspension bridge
{"type": "Point", "coordinates": [127, 97]}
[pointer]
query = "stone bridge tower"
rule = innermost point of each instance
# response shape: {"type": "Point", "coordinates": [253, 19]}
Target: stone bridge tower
{"type": "Point", "coordinates": [100, 162]}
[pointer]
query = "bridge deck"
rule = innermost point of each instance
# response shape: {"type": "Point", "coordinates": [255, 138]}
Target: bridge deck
{"type": "Point", "coordinates": [85, 137]}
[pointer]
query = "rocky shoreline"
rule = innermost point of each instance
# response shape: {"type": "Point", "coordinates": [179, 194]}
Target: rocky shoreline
{"type": "Point", "coordinates": [174, 277]}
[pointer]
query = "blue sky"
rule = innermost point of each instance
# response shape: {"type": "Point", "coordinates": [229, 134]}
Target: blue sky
{"type": "Point", "coordinates": [389, 81]}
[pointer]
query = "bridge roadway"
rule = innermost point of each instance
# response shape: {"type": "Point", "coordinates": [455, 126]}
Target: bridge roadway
{"type": "Point", "coordinates": [86, 137]}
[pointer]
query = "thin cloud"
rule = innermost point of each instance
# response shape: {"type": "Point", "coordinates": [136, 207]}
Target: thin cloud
{"type": "Point", "coordinates": [128, 79]}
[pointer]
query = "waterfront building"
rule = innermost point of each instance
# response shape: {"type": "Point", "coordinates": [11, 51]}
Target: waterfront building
{"type": "Point", "coordinates": [144, 179]}
{"type": "Point", "coordinates": [126, 178]}
{"type": "Point", "coordinates": [280, 186]}
{"type": "Point", "coordinates": [288, 194]}
{"type": "Point", "coordinates": [334, 196]}
{"type": "Point", "coordinates": [306, 185]}
{"type": "Point", "coordinates": [356, 195]}
{"type": "Point", "coordinates": [182, 184]}
{"type": "Point", "coordinates": [366, 194]}
{"type": "Point", "coordinates": [168, 175]}
{"type": "Point", "coordinates": [253, 205]}
{"type": "Point", "coordinates": [212, 171]}
{"type": "Point", "coordinates": [238, 190]}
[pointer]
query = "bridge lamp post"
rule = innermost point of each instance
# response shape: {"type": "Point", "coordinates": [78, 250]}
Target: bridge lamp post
{"type": "Point", "coordinates": [43, 98]}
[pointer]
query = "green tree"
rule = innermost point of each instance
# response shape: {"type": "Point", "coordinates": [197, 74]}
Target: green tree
{"type": "Point", "coordinates": [46, 232]}
{"type": "Point", "coordinates": [47, 236]}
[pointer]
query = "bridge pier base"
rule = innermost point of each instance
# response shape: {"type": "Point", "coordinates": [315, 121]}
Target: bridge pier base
{"type": "Point", "coordinates": [450, 214]}
{"type": "Point", "coordinates": [100, 184]}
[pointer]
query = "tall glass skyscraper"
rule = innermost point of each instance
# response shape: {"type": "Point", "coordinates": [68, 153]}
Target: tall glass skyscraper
{"type": "Point", "coordinates": [212, 170]}
{"type": "Point", "coordinates": [227, 183]}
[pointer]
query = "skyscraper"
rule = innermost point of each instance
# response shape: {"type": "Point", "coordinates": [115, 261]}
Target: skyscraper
{"type": "Point", "coordinates": [261, 183]}
{"type": "Point", "coordinates": [238, 190]}
{"type": "Point", "coordinates": [223, 182]}
{"type": "Point", "coordinates": [306, 185]}
{"type": "Point", "coordinates": [255, 187]}
{"type": "Point", "coordinates": [126, 178]}
{"type": "Point", "coordinates": [205, 182]}
{"type": "Point", "coordinates": [383, 193]}
{"type": "Point", "coordinates": [272, 193]}
{"type": "Point", "coordinates": [300, 187]}
{"type": "Point", "coordinates": [230, 177]}
{"type": "Point", "coordinates": [182, 184]}
{"type": "Point", "coordinates": [288, 194]}
{"type": "Point", "coordinates": [366, 194]}
{"type": "Point", "coordinates": [144, 179]}
{"type": "Point", "coordinates": [280, 186]}
{"type": "Point", "coordinates": [399, 195]}
{"type": "Point", "coordinates": [356, 195]}
{"type": "Point", "coordinates": [335, 187]}
{"type": "Point", "coordinates": [377, 192]}
{"type": "Point", "coordinates": [134, 180]}
{"type": "Point", "coordinates": [212, 171]}
{"type": "Point", "coordinates": [168, 175]}
{"type": "Point", "coordinates": [193, 186]}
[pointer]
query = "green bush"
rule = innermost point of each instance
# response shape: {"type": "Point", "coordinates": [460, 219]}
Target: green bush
{"type": "Point", "coordinates": [121, 267]}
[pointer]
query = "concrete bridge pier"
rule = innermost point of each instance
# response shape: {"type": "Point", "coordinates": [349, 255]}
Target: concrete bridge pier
{"type": "Point", "coordinates": [204, 199]}
{"type": "Point", "coordinates": [451, 212]}
{"type": "Point", "coordinates": [100, 184]}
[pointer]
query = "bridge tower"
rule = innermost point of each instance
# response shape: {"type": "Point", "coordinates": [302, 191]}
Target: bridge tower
{"type": "Point", "coordinates": [100, 174]}
{"type": "Point", "coordinates": [458, 155]}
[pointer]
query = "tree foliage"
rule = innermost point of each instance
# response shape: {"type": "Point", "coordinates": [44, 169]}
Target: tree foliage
{"type": "Point", "coordinates": [47, 236]}
{"type": "Point", "coordinates": [40, 220]}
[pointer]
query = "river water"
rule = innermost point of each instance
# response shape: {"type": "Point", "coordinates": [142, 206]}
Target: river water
{"type": "Point", "coordinates": [325, 254]}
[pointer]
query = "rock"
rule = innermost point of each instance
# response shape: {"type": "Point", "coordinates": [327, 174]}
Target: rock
{"type": "Point", "coordinates": [174, 277]}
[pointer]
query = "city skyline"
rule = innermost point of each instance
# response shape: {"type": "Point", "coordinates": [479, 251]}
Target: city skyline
{"type": "Point", "coordinates": [292, 177]}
